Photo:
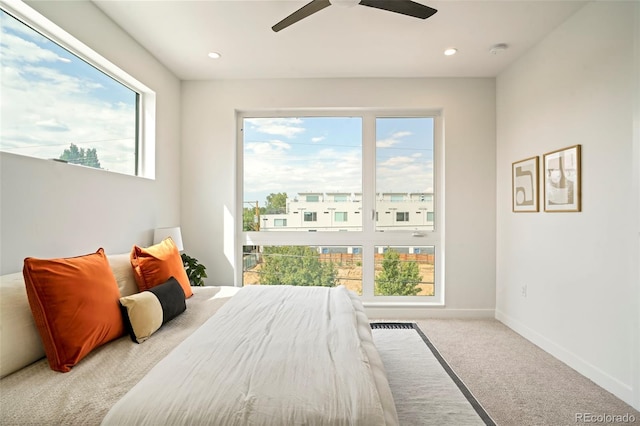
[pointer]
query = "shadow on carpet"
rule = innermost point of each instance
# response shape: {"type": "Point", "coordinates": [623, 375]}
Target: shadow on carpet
{"type": "Point", "coordinates": [425, 389]}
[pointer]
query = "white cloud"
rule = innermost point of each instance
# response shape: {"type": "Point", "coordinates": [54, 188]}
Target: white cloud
{"type": "Point", "coordinates": [287, 127]}
{"type": "Point", "coordinates": [317, 139]}
{"type": "Point", "coordinates": [44, 110]}
{"type": "Point", "coordinates": [394, 139]}
{"type": "Point", "coordinates": [397, 162]}
{"type": "Point", "coordinates": [53, 125]}
{"type": "Point", "coordinates": [270, 167]}
{"type": "Point", "coordinates": [280, 145]}
{"type": "Point", "coordinates": [16, 49]}
{"type": "Point", "coordinates": [392, 175]}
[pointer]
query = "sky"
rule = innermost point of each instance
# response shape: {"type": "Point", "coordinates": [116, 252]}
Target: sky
{"type": "Point", "coordinates": [324, 154]}
{"type": "Point", "coordinates": [51, 98]}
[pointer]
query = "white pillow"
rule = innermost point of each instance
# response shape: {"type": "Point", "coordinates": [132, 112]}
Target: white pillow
{"type": "Point", "coordinates": [123, 271]}
{"type": "Point", "coordinates": [20, 343]}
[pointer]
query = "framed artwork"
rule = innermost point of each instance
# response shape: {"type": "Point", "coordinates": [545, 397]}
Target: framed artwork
{"type": "Point", "coordinates": [562, 187]}
{"type": "Point", "coordinates": [524, 183]}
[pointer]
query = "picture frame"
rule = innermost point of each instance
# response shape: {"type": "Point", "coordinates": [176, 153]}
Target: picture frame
{"type": "Point", "coordinates": [562, 180]}
{"type": "Point", "coordinates": [524, 185]}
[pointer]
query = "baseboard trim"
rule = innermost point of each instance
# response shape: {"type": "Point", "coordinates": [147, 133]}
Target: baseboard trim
{"type": "Point", "coordinates": [396, 312]}
{"type": "Point", "coordinates": [602, 379]}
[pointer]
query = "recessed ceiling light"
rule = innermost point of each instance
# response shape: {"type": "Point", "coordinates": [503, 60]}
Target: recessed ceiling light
{"type": "Point", "coordinates": [450, 51]}
{"type": "Point", "coordinates": [498, 48]}
{"type": "Point", "coordinates": [214, 55]}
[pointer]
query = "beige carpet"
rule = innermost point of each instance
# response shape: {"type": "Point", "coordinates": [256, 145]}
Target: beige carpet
{"type": "Point", "coordinates": [518, 383]}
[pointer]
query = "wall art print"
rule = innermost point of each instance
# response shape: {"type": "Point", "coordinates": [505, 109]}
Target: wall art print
{"type": "Point", "coordinates": [562, 180]}
{"type": "Point", "coordinates": [524, 178]}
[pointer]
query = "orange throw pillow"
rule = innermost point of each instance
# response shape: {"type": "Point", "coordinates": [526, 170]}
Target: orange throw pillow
{"type": "Point", "coordinates": [154, 265]}
{"type": "Point", "coordinates": [75, 305]}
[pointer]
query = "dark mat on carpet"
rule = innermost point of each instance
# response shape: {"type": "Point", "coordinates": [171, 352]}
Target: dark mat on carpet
{"type": "Point", "coordinates": [425, 388]}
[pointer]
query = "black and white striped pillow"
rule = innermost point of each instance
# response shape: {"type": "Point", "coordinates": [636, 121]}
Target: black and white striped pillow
{"type": "Point", "coordinates": [145, 312]}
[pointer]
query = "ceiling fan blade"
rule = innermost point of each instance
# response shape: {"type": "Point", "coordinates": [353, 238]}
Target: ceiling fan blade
{"type": "Point", "coordinates": [404, 7]}
{"type": "Point", "coordinates": [306, 10]}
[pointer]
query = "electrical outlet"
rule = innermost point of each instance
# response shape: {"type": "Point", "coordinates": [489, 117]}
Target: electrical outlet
{"type": "Point", "coordinates": [523, 289]}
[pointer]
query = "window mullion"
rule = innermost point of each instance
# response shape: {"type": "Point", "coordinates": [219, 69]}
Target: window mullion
{"type": "Point", "coordinates": [368, 202]}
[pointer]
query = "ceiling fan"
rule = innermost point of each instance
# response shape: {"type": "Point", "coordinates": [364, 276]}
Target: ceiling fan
{"type": "Point", "coordinates": [404, 7]}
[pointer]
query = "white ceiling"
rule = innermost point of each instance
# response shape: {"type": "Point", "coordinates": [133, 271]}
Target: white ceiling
{"type": "Point", "coordinates": [338, 41]}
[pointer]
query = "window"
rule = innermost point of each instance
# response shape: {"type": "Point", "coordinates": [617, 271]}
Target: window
{"type": "Point", "coordinates": [289, 165]}
{"type": "Point", "coordinates": [364, 228]}
{"type": "Point", "coordinates": [280, 222]}
{"type": "Point", "coordinates": [402, 216]}
{"type": "Point", "coordinates": [404, 160]}
{"type": "Point", "coordinates": [405, 271]}
{"type": "Point", "coordinates": [74, 106]}
{"type": "Point", "coordinates": [341, 216]}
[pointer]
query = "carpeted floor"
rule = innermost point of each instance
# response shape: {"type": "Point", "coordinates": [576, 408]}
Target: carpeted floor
{"type": "Point", "coordinates": [518, 383]}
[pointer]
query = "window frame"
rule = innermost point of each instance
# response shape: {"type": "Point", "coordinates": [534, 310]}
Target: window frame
{"type": "Point", "coordinates": [310, 216]}
{"type": "Point", "coordinates": [343, 217]}
{"type": "Point", "coordinates": [145, 106]}
{"type": "Point", "coordinates": [368, 238]}
{"type": "Point", "coordinates": [402, 216]}
{"type": "Point", "coordinates": [279, 222]}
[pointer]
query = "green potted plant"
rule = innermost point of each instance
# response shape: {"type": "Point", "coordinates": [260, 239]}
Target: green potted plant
{"type": "Point", "coordinates": [195, 270]}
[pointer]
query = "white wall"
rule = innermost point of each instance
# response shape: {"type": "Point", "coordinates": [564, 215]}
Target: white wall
{"type": "Point", "coordinates": [208, 165]}
{"type": "Point", "coordinates": [576, 87]}
{"type": "Point", "coordinates": [51, 209]}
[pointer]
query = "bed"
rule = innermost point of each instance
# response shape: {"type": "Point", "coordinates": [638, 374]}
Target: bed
{"type": "Point", "coordinates": [257, 355]}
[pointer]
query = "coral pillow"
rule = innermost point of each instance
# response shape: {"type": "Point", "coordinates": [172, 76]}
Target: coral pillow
{"type": "Point", "coordinates": [154, 265]}
{"type": "Point", "coordinates": [75, 305]}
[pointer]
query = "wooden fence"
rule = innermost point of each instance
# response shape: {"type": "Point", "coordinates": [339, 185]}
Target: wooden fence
{"type": "Point", "coordinates": [250, 260]}
{"type": "Point", "coordinates": [350, 258]}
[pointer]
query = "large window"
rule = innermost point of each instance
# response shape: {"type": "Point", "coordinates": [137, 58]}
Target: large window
{"type": "Point", "coordinates": [59, 104]}
{"type": "Point", "coordinates": [356, 192]}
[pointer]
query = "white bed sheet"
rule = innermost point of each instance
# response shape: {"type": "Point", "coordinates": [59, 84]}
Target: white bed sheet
{"type": "Point", "coordinates": [272, 355]}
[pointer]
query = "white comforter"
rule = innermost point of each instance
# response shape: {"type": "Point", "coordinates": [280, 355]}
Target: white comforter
{"type": "Point", "coordinates": [272, 355]}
